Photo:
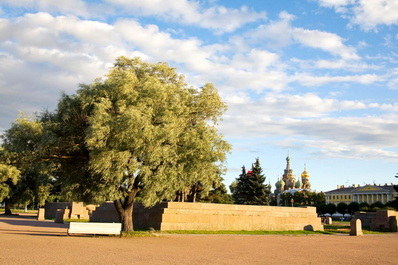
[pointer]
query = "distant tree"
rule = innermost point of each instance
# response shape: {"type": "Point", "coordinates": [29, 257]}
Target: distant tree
{"type": "Point", "coordinates": [331, 208]}
{"type": "Point", "coordinates": [303, 198]}
{"type": "Point", "coordinates": [377, 206]}
{"type": "Point", "coordinates": [286, 199]}
{"type": "Point", "coordinates": [23, 148]}
{"type": "Point", "coordinates": [394, 203]}
{"type": "Point", "coordinates": [9, 176]}
{"type": "Point", "coordinates": [250, 187]}
{"type": "Point", "coordinates": [364, 206]}
{"type": "Point", "coordinates": [218, 195]}
{"type": "Point", "coordinates": [352, 207]}
{"type": "Point", "coordinates": [234, 184]}
{"type": "Point", "coordinates": [342, 208]}
{"type": "Point", "coordinates": [321, 209]}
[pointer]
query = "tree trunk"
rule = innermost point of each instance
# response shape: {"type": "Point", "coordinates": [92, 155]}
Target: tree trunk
{"type": "Point", "coordinates": [126, 218]}
{"type": "Point", "coordinates": [7, 207]}
{"type": "Point", "coordinates": [124, 208]}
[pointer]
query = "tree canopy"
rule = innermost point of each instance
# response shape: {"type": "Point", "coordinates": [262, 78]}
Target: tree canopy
{"type": "Point", "coordinates": [140, 130]}
{"type": "Point", "coordinates": [22, 149]}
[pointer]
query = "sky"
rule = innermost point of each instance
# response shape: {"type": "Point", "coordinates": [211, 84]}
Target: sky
{"type": "Point", "coordinates": [315, 79]}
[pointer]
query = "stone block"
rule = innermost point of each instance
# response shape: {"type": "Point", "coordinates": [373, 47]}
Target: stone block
{"type": "Point", "coordinates": [79, 211]}
{"type": "Point", "coordinates": [393, 223]}
{"type": "Point", "coordinates": [328, 220]}
{"type": "Point", "coordinates": [61, 215]}
{"type": "Point", "coordinates": [41, 214]}
{"type": "Point", "coordinates": [52, 207]}
{"type": "Point", "coordinates": [105, 213]}
{"type": "Point", "coordinates": [356, 227]}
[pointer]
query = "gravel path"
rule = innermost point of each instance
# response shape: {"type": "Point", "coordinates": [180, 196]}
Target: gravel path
{"type": "Point", "coordinates": [27, 241]}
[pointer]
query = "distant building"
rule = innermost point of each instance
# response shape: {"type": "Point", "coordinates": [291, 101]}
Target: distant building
{"type": "Point", "coordinates": [288, 181]}
{"type": "Point", "coordinates": [356, 193]}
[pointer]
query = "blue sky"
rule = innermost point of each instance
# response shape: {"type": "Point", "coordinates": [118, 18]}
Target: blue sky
{"type": "Point", "coordinates": [317, 79]}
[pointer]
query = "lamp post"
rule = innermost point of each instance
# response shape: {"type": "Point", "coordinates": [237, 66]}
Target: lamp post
{"type": "Point", "coordinates": [292, 201]}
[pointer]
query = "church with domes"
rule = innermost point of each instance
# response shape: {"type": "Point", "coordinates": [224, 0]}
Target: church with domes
{"type": "Point", "coordinates": [288, 182]}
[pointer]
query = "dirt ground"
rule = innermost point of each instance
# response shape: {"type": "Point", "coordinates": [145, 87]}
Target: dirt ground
{"type": "Point", "coordinates": [24, 240]}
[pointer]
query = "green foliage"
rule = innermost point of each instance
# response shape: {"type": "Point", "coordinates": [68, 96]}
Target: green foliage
{"type": "Point", "coordinates": [218, 195]}
{"type": "Point", "coordinates": [9, 176]}
{"type": "Point", "coordinates": [303, 198]}
{"type": "Point", "coordinates": [250, 188]}
{"type": "Point", "coordinates": [342, 208]}
{"type": "Point", "coordinates": [331, 208]}
{"type": "Point", "coordinates": [22, 148]}
{"type": "Point", "coordinates": [353, 207]}
{"type": "Point", "coordinates": [394, 203]}
{"type": "Point", "coordinates": [321, 209]}
{"type": "Point", "coordinates": [142, 131]}
{"type": "Point", "coordinates": [364, 206]}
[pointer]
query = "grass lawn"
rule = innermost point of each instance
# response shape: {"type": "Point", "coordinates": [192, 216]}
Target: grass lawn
{"type": "Point", "coordinates": [220, 232]}
{"type": "Point", "coordinates": [76, 220]}
{"type": "Point", "coordinates": [19, 211]}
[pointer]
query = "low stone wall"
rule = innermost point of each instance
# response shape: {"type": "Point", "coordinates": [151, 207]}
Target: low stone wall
{"type": "Point", "coordinates": [207, 216]}
{"type": "Point", "coordinates": [50, 209]}
{"type": "Point", "coordinates": [366, 218]}
{"type": "Point", "coordinates": [381, 219]}
{"type": "Point", "coordinates": [77, 210]}
{"type": "Point", "coordinates": [105, 213]}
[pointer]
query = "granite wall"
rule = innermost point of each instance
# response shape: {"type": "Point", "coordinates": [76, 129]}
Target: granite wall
{"type": "Point", "coordinates": [207, 216]}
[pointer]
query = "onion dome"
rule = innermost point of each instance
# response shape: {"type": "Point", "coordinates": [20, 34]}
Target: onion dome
{"type": "Point", "coordinates": [297, 185]}
{"type": "Point", "coordinates": [305, 174]}
{"type": "Point", "coordinates": [279, 184]}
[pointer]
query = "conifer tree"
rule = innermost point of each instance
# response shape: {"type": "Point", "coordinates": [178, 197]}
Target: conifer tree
{"type": "Point", "coordinates": [250, 188]}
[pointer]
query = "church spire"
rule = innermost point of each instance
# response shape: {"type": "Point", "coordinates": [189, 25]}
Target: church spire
{"type": "Point", "coordinates": [287, 162]}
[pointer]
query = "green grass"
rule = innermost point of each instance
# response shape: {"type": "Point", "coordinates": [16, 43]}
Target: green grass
{"type": "Point", "coordinates": [334, 227]}
{"type": "Point", "coordinates": [19, 211]}
{"type": "Point", "coordinates": [76, 220]}
{"type": "Point", "coordinates": [138, 234]}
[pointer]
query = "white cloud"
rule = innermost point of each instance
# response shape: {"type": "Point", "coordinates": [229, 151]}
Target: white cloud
{"type": "Point", "coordinates": [393, 107]}
{"type": "Point", "coordinates": [311, 80]}
{"type": "Point", "coordinates": [325, 41]}
{"type": "Point", "coordinates": [70, 7]}
{"type": "Point", "coordinates": [282, 33]}
{"type": "Point", "coordinates": [340, 64]}
{"type": "Point", "coordinates": [282, 105]}
{"type": "Point", "coordinates": [368, 14]}
{"type": "Point", "coordinates": [371, 13]}
{"type": "Point", "coordinates": [339, 5]}
{"type": "Point", "coordinates": [219, 18]}
{"type": "Point", "coordinates": [309, 121]}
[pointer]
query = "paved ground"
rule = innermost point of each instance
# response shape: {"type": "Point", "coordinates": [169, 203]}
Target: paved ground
{"type": "Point", "coordinates": [27, 241]}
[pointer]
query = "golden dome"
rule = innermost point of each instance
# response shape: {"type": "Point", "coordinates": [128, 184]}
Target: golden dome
{"type": "Point", "coordinates": [305, 174]}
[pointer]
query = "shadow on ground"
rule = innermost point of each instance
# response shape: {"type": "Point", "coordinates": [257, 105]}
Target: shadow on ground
{"type": "Point", "coordinates": [28, 225]}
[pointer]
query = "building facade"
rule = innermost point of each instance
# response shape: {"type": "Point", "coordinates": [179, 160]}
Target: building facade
{"type": "Point", "coordinates": [355, 193]}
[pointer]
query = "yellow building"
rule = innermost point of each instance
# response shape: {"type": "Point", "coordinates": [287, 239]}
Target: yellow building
{"type": "Point", "coordinates": [356, 193]}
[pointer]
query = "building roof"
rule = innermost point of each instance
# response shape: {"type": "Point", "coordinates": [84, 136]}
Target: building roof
{"type": "Point", "coordinates": [364, 189]}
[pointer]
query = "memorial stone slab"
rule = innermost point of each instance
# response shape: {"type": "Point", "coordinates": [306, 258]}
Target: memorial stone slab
{"type": "Point", "coordinates": [356, 227]}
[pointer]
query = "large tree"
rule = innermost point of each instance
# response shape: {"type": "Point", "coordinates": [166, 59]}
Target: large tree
{"type": "Point", "coordinates": [249, 188]}
{"type": "Point", "coordinates": [141, 130]}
